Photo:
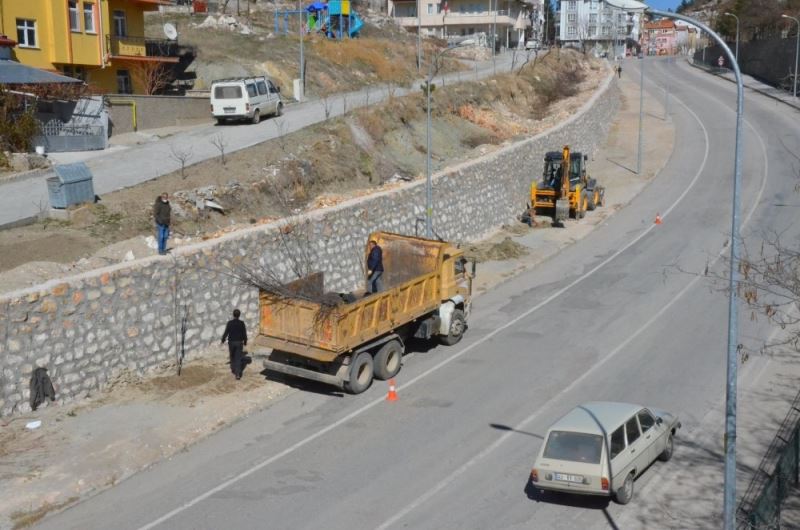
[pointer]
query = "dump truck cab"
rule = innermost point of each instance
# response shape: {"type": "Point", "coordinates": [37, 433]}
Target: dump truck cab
{"type": "Point", "coordinates": [566, 189]}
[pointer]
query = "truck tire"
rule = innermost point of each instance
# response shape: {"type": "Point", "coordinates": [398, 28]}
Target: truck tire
{"type": "Point", "coordinates": [361, 373]}
{"type": "Point", "coordinates": [458, 325]}
{"type": "Point", "coordinates": [388, 360]}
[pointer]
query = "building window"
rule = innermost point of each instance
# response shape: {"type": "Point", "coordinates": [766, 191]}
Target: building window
{"type": "Point", "coordinates": [571, 31]}
{"type": "Point", "coordinates": [120, 24]}
{"type": "Point", "coordinates": [74, 21]}
{"type": "Point", "coordinates": [78, 72]}
{"type": "Point", "coordinates": [88, 18]}
{"type": "Point", "coordinates": [592, 31]}
{"type": "Point", "coordinates": [26, 33]}
{"type": "Point", "coordinates": [572, 17]}
{"type": "Point", "coordinates": [605, 30]}
{"type": "Point", "coordinates": [572, 4]}
{"type": "Point", "coordinates": [593, 18]}
{"type": "Point", "coordinates": [124, 84]}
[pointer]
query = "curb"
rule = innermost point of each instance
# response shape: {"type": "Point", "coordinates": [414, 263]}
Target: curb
{"type": "Point", "coordinates": [762, 92]}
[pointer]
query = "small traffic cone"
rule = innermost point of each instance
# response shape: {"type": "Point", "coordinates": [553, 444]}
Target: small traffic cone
{"type": "Point", "coordinates": [658, 219]}
{"type": "Point", "coordinates": [392, 395]}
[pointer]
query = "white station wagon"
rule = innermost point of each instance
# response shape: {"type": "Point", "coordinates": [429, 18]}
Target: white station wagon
{"type": "Point", "coordinates": [599, 448]}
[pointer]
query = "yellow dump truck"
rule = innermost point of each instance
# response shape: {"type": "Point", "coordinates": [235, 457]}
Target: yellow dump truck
{"type": "Point", "coordinates": [348, 339]}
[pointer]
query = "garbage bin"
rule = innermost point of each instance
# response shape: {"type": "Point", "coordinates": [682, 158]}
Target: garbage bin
{"type": "Point", "coordinates": [73, 184]}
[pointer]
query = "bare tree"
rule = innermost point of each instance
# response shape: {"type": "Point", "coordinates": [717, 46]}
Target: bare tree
{"type": "Point", "coordinates": [344, 103]}
{"type": "Point", "coordinates": [221, 143]}
{"type": "Point", "coordinates": [280, 130]}
{"type": "Point", "coordinates": [152, 76]}
{"type": "Point", "coordinates": [327, 105]}
{"type": "Point", "coordinates": [181, 155]}
{"type": "Point", "coordinates": [366, 99]}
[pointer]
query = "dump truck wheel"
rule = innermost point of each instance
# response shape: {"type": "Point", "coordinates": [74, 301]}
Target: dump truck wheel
{"type": "Point", "coordinates": [458, 325]}
{"type": "Point", "coordinates": [388, 360]}
{"type": "Point", "coordinates": [360, 374]}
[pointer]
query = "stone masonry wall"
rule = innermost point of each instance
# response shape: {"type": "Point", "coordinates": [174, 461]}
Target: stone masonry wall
{"type": "Point", "coordinates": [88, 328]}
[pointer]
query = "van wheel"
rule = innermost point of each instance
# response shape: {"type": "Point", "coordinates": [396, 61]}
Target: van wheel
{"type": "Point", "coordinates": [388, 360]}
{"type": "Point", "coordinates": [221, 121]}
{"type": "Point", "coordinates": [256, 117]}
{"type": "Point", "coordinates": [625, 493]}
{"type": "Point", "coordinates": [360, 374]}
{"type": "Point", "coordinates": [279, 110]}
{"type": "Point", "coordinates": [666, 454]}
{"type": "Point", "coordinates": [458, 325]}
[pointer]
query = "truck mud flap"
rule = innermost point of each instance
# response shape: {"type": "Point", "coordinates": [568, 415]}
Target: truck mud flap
{"type": "Point", "coordinates": [304, 373]}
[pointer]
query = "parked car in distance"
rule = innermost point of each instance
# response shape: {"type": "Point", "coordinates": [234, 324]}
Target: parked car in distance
{"type": "Point", "coordinates": [244, 99]}
{"type": "Point", "coordinates": [532, 45]}
{"type": "Point", "coordinates": [599, 448]}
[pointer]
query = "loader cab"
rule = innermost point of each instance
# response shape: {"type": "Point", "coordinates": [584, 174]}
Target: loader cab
{"type": "Point", "coordinates": [553, 161]}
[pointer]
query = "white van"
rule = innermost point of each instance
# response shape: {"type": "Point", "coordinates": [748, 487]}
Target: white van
{"type": "Point", "coordinates": [245, 98]}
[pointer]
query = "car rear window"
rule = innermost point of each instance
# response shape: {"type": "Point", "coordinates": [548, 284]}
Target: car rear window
{"type": "Point", "coordinates": [228, 92]}
{"type": "Point", "coordinates": [574, 447]}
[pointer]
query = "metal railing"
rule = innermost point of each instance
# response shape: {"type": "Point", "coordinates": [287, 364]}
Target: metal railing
{"type": "Point", "coordinates": [779, 470]}
{"type": "Point", "coordinates": [142, 46]}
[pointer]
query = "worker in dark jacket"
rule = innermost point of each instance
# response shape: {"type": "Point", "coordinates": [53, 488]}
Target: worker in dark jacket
{"type": "Point", "coordinates": [374, 268]}
{"type": "Point", "coordinates": [161, 215]}
{"type": "Point", "coordinates": [236, 335]}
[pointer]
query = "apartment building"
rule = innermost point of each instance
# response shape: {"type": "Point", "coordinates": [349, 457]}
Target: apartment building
{"type": "Point", "coordinates": [510, 20]}
{"type": "Point", "coordinates": [99, 41]}
{"type": "Point", "coordinates": [660, 37]}
{"type": "Point", "coordinates": [599, 27]}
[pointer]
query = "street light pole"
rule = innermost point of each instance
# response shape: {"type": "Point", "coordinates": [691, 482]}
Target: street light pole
{"type": "Point", "coordinates": [641, 118]}
{"type": "Point", "coordinates": [796, 53]}
{"type": "Point", "coordinates": [729, 496]}
{"type": "Point", "coordinates": [737, 33]}
{"type": "Point", "coordinates": [428, 184]}
{"type": "Point", "coordinates": [419, 35]}
{"type": "Point", "coordinates": [494, 38]}
{"type": "Point", "coordinates": [302, 60]}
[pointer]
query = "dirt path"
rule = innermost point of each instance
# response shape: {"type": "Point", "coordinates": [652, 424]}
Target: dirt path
{"type": "Point", "coordinates": [82, 449]}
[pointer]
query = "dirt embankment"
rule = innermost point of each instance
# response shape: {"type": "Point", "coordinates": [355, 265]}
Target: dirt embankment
{"type": "Point", "coordinates": [315, 167]}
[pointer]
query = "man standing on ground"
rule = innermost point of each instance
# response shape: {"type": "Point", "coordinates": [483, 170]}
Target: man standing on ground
{"type": "Point", "coordinates": [236, 334]}
{"type": "Point", "coordinates": [161, 213]}
{"type": "Point", "coordinates": [374, 268]}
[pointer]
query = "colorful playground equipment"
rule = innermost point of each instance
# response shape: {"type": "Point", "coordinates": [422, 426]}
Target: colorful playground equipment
{"type": "Point", "coordinates": [334, 19]}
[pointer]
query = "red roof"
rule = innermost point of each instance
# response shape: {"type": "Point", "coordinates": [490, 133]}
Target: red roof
{"type": "Point", "coordinates": [6, 42]}
{"type": "Point", "coordinates": [661, 24]}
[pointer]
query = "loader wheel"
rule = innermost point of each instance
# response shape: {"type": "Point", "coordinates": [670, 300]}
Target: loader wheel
{"type": "Point", "coordinates": [593, 198]}
{"type": "Point", "coordinates": [580, 212]}
{"type": "Point", "coordinates": [458, 325]}
{"type": "Point", "coordinates": [388, 360]}
{"type": "Point", "coordinates": [361, 373]}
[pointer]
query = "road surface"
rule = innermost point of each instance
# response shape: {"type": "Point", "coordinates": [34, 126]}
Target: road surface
{"type": "Point", "coordinates": [617, 316]}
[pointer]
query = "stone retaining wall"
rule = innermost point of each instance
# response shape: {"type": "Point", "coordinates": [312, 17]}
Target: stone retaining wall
{"type": "Point", "coordinates": [88, 328]}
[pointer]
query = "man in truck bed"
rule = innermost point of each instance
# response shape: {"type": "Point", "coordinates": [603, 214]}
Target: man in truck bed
{"type": "Point", "coordinates": [374, 268]}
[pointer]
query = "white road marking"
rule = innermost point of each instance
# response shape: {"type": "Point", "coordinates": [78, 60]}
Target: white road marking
{"type": "Point", "coordinates": [524, 424]}
{"type": "Point", "coordinates": [291, 449]}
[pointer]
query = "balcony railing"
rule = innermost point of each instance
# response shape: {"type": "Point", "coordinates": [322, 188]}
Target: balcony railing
{"type": "Point", "coordinates": [130, 46]}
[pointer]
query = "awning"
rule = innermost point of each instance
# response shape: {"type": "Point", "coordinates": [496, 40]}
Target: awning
{"type": "Point", "coordinates": [14, 73]}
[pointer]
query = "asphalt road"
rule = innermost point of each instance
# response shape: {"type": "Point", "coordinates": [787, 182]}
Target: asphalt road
{"type": "Point", "coordinates": [121, 168]}
{"type": "Point", "coordinates": [617, 316]}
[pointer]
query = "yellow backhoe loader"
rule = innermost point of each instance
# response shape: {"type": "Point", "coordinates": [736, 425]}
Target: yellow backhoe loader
{"type": "Point", "coordinates": [566, 190]}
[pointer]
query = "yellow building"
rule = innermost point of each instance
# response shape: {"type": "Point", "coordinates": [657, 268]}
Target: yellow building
{"type": "Point", "coordinates": [99, 41]}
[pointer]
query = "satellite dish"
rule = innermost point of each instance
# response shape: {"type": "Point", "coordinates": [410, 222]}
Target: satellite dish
{"type": "Point", "coordinates": [170, 31]}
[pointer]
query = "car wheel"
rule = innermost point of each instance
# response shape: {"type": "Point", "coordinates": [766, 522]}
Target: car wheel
{"type": "Point", "coordinates": [279, 110]}
{"type": "Point", "coordinates": [361, 373]}
{"type": "Point", "coordinates": [458, 325]}
{"type": "Point", "coordinates": [625, 493]}
{"type": "Point", "coordinates": [388, 360]}
{"type": "Point", "coordinates": [666, 454]}
{"type": "Point", "coordinates": [256, 117]}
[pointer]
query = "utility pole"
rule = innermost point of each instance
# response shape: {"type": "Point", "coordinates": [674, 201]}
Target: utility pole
{"type": "Point", "coordinates": [419, 35]}
{"type": "Point", "coordinates": [796, 53]}
{"type": "Point", "coordinates": [641, 117]}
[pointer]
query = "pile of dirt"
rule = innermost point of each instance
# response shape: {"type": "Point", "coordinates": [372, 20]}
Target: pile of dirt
{"type": "Point", "coordinates": [496, 250]}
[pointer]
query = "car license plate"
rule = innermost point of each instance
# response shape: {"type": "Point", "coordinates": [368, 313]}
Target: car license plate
{"type": "Point", "coordinates": [229, 110]}
{"type": "Point", "coordinates": [568, 478]}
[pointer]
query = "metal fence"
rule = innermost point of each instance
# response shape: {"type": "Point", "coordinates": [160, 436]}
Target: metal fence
{"type": "Point", "coordinates": [57, 137]}
{"type": "Point", "coordinates": [777, 473]}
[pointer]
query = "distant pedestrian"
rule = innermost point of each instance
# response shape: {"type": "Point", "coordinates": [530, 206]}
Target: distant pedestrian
{"type": "Point", "coordinates": [236, 335]}
{"type": "Point", "coordinates": [619, 71]}
{"type": "Point", "coordinates": [161, 214]}
{"type": "Point", "coordinates": [374, 268]}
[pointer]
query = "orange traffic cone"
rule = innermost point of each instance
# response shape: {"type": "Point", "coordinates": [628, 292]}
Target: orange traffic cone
{"type": "Point", "coordinates": [392, 395]}
{"type": "Point", "coordinates": [658, 219]}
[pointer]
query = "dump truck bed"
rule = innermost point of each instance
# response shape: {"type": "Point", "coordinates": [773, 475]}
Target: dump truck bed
{"type": "Point", "coordinates": [321, 331]}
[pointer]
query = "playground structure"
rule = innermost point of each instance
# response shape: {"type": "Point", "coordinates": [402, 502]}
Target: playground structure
{"type": "Point", "coordinates": [334, 19]}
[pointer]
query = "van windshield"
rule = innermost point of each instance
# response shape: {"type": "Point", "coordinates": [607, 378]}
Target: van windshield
{"type": "Point", "coordinates": [228, 92]}
{"type": "Point", "coordinates": [574, 447]}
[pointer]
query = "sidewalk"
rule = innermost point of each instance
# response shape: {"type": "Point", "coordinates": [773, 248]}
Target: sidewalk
{"type": "Point", "coordinates": [754, 84]}
{"type": "Point", "coordinates": [124, 166]}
